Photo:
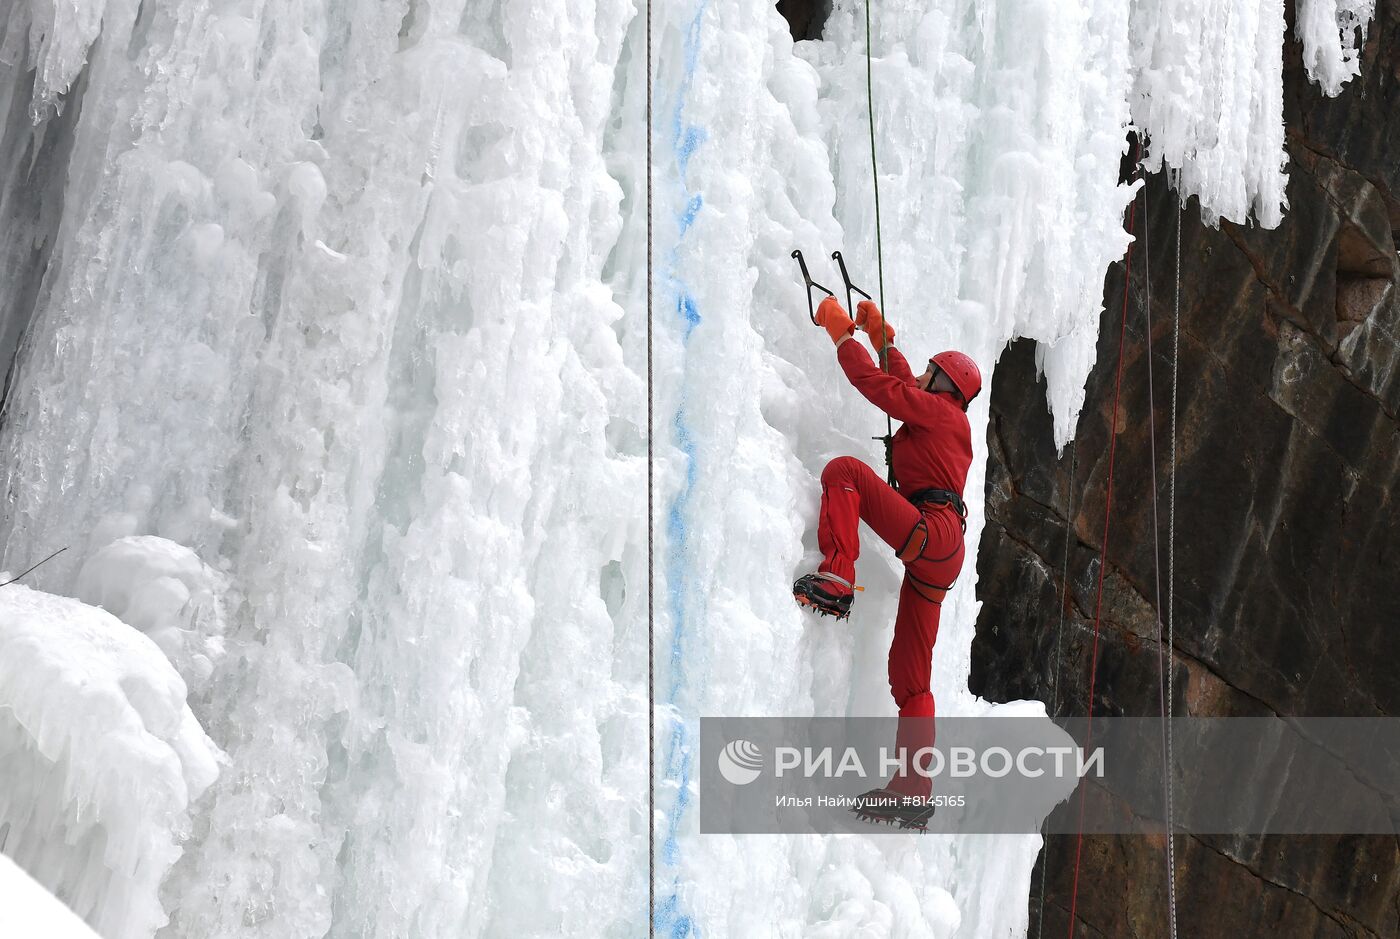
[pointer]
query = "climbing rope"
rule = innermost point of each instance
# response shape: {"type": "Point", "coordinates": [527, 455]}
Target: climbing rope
{"type": "Point", "coordinates": [35, 567]}
{"type": "Point", "coordinates": [874, 165]}
{"type": "Point", "coordinates": [1171, 570]}
{"type": "Point", "coordinates": [879, 247]}
{"type": "Point", "coordinates": [1163, 651]}
{"type": "Point", "coordinates": [651, 546]}
{"type": "Point", "coordinates": [1059, 646]}
{"type": "Point", "coordinates": [1103, 553]}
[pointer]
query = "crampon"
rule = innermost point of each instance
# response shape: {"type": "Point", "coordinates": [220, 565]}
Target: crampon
{"type": "Point", "coordinates": [828, 594]}
{"type": "Point", "coordinates": [892, 808]}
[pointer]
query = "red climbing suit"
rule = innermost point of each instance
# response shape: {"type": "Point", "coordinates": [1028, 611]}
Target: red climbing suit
{"type": "Point", "coordinates": [931, 451]}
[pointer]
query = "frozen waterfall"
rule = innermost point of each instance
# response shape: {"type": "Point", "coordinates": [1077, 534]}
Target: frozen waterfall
{"type": "Point", "coordinates": [324, 333]}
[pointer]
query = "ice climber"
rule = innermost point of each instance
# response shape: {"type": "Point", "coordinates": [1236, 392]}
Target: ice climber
{"type": "Point", "coordinates": [923, 520]}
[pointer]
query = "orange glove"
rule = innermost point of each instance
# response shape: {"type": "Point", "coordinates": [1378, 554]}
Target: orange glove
{"type": "Point", "coordinates": [869, 318]}
{"type": "Point", "coordinates": [834, 320]}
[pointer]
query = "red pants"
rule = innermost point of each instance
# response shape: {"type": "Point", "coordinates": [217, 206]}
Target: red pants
{"type": "Point", "coordinates": [851, 492]}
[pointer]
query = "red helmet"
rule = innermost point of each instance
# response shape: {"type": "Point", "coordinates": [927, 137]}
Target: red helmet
{"type": "Point", "coordinates": [962, 371]}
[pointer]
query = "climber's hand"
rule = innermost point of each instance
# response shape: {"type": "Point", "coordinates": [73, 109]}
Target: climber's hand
{"type": "Point", "coordinates": [869, 318]}
{"type": "Point", "coordinates": [834, 320]}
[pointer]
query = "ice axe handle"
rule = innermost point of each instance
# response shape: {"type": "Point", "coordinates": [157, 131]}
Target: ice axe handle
{"type": "Point", "coordinates": [846, 278]}
{"type": "Point", "coordinates": [884, 356]}
{"type": "Point", "coordinates": [809, 283]}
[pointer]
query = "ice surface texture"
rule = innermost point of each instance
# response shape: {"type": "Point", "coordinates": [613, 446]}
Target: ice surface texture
{"type": "Point", "coordinates": [347, 299]}
{"type": "Point", "coordinates": [165, 591]}
{"type": "Point", "coordinates": [100, 759]}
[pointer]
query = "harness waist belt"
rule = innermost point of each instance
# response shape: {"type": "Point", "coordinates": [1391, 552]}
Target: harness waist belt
{"type": "Point", "coordinates": [947, 496]}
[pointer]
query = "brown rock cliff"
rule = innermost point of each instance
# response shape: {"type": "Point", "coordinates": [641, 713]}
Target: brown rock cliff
{"type": "Point", "coordinates": [1287, 592]}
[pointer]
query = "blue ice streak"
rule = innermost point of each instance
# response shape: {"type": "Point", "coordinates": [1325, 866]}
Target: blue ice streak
{"type": "Point", "coordinates": [686, 140]}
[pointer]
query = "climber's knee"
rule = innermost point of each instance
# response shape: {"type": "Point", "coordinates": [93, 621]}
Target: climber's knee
{"type": "Point", "coordinates": [841, 469]}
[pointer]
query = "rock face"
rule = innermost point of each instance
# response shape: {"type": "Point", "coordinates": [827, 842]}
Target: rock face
{"type": "Point", "coordinates": [1287, 533]}
{"type": "Point", "coordinates": [805, 18]}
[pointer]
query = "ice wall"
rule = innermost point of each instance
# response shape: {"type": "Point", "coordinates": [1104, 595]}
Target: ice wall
{"type": "Point", "coordinates": [101, 761]}
{"type": "Point", "coordinates": [347, 299]}
{"type": "Point", "coordinates": [325, 304]}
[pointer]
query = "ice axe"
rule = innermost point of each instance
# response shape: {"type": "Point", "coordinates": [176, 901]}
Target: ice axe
{"type": "Point", "coordinates": [809, 283]}
{"type": "Point", "coordinates": [888, 438]}
{"type": "Point", "coordinates": [841, 262]}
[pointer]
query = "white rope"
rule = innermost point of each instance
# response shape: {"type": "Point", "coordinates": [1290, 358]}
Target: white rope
{"type": "Point", "coordinates": [1059, 651]}
{"type": "Point", "coordinates": [1163, 649]}
{"type": "Point", "coordinates": [1171, 568]}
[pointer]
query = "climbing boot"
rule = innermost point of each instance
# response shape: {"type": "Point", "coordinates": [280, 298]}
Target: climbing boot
{"type": "Point", "coordinates": [826, 593]}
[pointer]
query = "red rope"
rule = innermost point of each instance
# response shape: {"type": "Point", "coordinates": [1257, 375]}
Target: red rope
{"type": "Point", "coordinates": [1103, 555]}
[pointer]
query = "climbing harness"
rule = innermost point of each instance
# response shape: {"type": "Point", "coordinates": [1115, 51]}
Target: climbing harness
{"type": "Point", "coordinates": [941, 497]}
{"type": "Point", "coordinates": [914, 545]}
{"type": "Point", "coordinates": [913, 548]}
{"type": "Point", "coordinates": [917, 542]}
{"type": "Point", "coordinates": [933, 593]}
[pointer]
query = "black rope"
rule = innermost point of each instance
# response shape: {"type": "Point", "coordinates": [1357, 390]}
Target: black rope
{"type": "Point", "coordinates": [651, 546]}
{"type": "Point", "coordinates": [888, 439]}
{"type": "Point", "coordinates": [36, 566]}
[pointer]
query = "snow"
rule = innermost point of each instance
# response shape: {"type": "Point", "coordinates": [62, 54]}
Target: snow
{"type": "Point", "coordinates": [335, 386]}
{"type": "Point", "coordinates": [101, 759]}
{"type": "Point", "coordinates": [31, 912]}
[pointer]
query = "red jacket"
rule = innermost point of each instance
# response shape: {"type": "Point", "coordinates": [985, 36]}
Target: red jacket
{"type": "Point", "coordinates": [933, 449]}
